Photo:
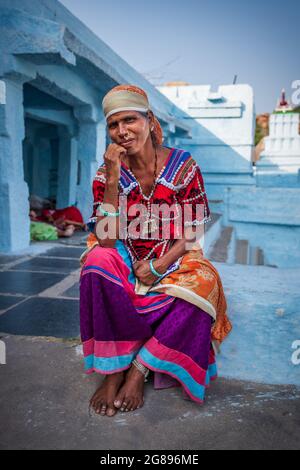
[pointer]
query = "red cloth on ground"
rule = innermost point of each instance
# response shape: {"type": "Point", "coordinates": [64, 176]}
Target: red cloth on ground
{"type": "Point", "coordinates": [68, 213]}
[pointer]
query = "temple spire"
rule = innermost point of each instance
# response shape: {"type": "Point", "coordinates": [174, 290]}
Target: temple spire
{"type": "Point", "coordinates": [283, 101]}
{"type": "Point", "coordinates": [283, 104]}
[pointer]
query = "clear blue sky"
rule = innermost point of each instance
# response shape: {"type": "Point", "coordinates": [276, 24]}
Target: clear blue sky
{"type": "Point", "coordinates": [203, 41]}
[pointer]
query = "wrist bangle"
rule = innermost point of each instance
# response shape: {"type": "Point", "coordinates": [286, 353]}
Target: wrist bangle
{"type": "Point", "coordinates": [153, 270]}
{"type": "Point", "coordinates": [108, 214]}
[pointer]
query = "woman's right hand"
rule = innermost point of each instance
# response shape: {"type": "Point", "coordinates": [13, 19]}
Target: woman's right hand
{"type": "Point", "coordinates": [112, 159]}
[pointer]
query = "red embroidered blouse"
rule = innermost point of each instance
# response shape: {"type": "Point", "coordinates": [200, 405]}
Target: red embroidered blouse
{"type": "Point", "coordinates": [179, 184]}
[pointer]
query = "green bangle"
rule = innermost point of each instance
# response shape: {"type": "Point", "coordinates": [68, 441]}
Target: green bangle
{"type": "Point", "coordinates": [108, 214]}
{"type": "Point", "coordinates": [153, 270]}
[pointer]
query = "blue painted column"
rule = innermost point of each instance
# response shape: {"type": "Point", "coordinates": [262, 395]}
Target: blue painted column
{"type": "Point", "coordinates": [91, 148]}
{"type": "Point", "coordinates": [67, 169]}
{"type": "Point", "coordinates": [14, 204]}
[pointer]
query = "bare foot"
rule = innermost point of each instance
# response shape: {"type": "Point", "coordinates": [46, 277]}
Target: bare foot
{"type": "Point", "coordinates": [103, 399]}
{"type": "Point", "coordinates": [131, 394]}
{"type": "Point", "coordinates": [68, 232]}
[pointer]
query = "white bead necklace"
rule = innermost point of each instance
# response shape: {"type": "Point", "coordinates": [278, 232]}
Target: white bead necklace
{"type": "Point", "coordinates": [150, 222]}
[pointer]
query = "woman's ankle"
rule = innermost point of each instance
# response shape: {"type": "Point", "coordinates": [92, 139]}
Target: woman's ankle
{"type": "Point", "coordinates": [115, 375]}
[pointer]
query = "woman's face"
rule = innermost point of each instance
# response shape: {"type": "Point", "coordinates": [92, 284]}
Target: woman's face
{"type": "Point", "coordinates": [130, 129]}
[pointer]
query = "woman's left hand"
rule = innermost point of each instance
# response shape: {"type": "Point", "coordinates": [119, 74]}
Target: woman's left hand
{"type": "Point", "coordinates": [143, 272]}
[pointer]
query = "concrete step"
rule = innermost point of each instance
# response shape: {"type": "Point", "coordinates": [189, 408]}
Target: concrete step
{"type": "Point", "coordinates": [256, 256]}
{"type": "Point", "coordinates": [242, 252]}
{"type": "Point", "coordinates": [212, 232]}
{"type": "Point", "coordinates": [220, 249]}
{"type": "Point", "coordinates": [221, 245]}
{"type": "Point", "coordinates": [247, 254]}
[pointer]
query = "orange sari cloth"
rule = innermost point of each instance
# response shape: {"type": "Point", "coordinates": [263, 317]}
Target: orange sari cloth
{"type": "Point", "coordinates": [198, 282]}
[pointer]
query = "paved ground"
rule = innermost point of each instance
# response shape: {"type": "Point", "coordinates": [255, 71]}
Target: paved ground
{"type": "Point", "coordinates": [44, 393]}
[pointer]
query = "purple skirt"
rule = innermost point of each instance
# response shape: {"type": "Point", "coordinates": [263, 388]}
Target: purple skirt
{"type": "Point", "coordinates": [169, 335]}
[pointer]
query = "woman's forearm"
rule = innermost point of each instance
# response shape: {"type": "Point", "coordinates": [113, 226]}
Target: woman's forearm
{"type": "Point", "coordinates": [111, 196]}
{"type": "Point", "coordinates": [176, 251]}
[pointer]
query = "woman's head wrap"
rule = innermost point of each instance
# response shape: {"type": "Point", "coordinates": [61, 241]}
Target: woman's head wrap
{"type": "Point", "coordinates": [130, 98]}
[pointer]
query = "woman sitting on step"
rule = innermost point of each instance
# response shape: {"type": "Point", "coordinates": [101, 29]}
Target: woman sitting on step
{"type": "Point", "coordinates": [148, 301]}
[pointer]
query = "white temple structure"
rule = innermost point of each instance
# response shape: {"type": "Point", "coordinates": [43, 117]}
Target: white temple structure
{"type": "Point", "coordinates": [279, 163]}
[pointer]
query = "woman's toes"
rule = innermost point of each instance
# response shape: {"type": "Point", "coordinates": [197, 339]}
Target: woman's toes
{"type": "Point", "coordinates": [100, 408]}
{"type": "Point", "coordinates": [139, 404]}
{"type": "Point", "coordinates": [118, 402]}
{"type": "Point", "coordinates": [95, 404]}
{"type": "Point", "coordinates": [124, 406]}
{"type": "Point", "coordinates": [111, 411]}
{"type": "Point", "coordinates": [133, 406]}
{"type": "Point", "coordinates": [129, 406]}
